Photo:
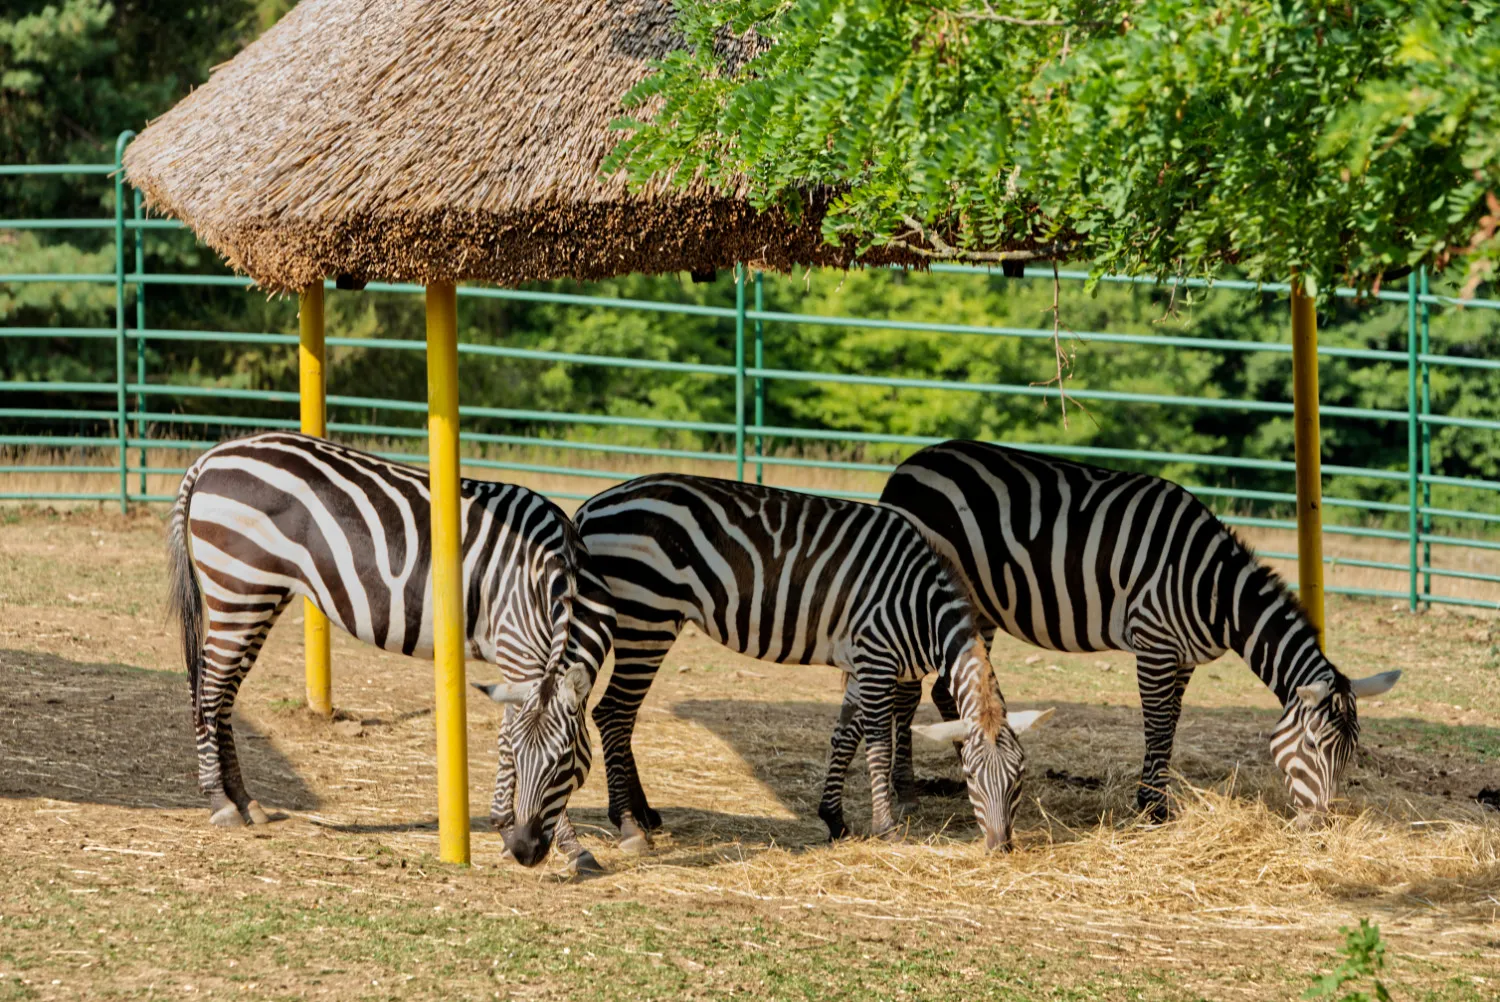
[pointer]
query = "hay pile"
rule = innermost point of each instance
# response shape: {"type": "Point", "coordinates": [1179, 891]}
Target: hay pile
{"type": "Point", "coordinates": [1224, 861]}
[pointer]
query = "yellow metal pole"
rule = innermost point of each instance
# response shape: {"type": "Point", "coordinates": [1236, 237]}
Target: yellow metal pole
{"type": "Point", "coordinates": [1309, 454]}
{"type": "Point", "coordinates": [447, 564]}
{"type": "Point", "coordinates": [314, 386]}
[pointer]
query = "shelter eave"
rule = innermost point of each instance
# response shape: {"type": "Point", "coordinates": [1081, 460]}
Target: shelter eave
{"type": "Point", "coordinates": [584, 241]}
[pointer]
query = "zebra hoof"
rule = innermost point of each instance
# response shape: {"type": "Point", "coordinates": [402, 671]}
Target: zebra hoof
{"type": "Point", "coordinates": [1154, 812]}
{"type": "Point", "coordinates": [584, 865]}
{"type": "Point", "coordinates": [635, 844]}
{"type": "Point", "coordinates": [257, 814]}
{"type": "Point", "coordinates": [836, 827]}
{"type": "Point", "coordinates": [227, 816]}
{"type": "Point", "coordinates": [891, 834]}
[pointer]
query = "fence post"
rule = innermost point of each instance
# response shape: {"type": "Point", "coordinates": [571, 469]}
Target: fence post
{"type": "Point", "coordinates": [1308, 440]}
{"type": "Point", "coordinates": [313, 387]}
{"type": "Point", "coordinates": [447, 568]}
{"type": "Point", "coordinates": [760, 384]}
{"type": "Point", "coordinates": [1426, 433]}
{"type": "Point", "coordinates": [140, 337]}
{"type": "Point", "coordinates": [120, 426]}
{"type": "Point", "coordinates": [1414, 498]}
{"type": "Point", "coordinates": [739, 371]}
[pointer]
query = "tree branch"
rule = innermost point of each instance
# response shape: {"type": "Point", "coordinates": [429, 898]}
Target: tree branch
{"type": "Point", "coordinates": [1063, 359]}
{"type": "Point", "coordinates": [941, 250]}
{"type": "Point", "coordinates": [996, 17]}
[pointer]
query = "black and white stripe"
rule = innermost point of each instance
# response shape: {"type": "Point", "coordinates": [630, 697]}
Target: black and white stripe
{"type": "Point", "coordinates": [794, 579]}
{"type": "Point", "coordinates": [1073, 557]}
{"type": "Point", "coordinates": [261, 520]}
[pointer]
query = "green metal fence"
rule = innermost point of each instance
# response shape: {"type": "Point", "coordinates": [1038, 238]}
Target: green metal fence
{"type": "Point", "coordinates": [140, 405]}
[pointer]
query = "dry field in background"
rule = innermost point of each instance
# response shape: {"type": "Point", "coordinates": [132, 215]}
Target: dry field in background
{"type": "Point", "coordinates": [113, 885]}
{"type": "Point", "coordinates": [594, 471]}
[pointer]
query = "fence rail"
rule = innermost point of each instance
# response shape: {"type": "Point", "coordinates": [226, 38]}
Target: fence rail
{"type": "Point", "coordinates": [138, 404]}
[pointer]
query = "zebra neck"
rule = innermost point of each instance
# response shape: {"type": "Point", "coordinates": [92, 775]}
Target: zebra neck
{"type": "Point", "coordinates": [1270, 630]}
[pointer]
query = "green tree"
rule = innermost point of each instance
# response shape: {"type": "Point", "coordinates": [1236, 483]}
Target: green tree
{"type": "Point", "coordinates": [73, 74]}
{"type": "Point", "coordinates": [1142, 136]}
{"type": "Point", "coordinates": [105, 67]}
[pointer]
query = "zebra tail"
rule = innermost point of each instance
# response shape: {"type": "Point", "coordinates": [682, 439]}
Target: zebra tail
{"type": "Point", "coordinates": [185, 600]}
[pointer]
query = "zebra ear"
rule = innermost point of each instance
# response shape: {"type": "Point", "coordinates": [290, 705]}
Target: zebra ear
{"type": "Point", "coordinates": [1025, 720]}
{"type": "Point", "coordinates": [514, 693]}
{"type": "Point", "coordinates": [948, 730]}
{"type": "Point", "coordinates": [1375, 685]}
{"type": "Point", "coordinates": [1312, 695]}
{"type": "Point", "coordinates": [577, 679]}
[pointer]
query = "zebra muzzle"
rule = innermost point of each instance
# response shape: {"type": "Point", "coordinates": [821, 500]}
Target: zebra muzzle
{"type": "Point", "coordinates": [527, 843]}
{"type": "Point", "coordinates": [997, 841]}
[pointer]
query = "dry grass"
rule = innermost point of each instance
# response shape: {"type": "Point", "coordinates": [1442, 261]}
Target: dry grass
{"type": "Point", "coordinates": [113, 886]}
{"type": "Point", "coordinates": [587, 482]}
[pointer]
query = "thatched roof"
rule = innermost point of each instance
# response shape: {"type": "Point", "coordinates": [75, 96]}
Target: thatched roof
{"type": "Point", "coordinates": [413, 140]}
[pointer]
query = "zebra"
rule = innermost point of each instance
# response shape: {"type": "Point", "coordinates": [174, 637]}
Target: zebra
{"type": "Point", "coordinates": [1073, 557]}
{"type": "Point", "coordinates": [795, 579]}
{"type": "Point", "coordinates": [261, 520]}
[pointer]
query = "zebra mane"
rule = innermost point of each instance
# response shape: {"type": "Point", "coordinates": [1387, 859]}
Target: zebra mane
{"type": "Point", "coordinates": [1262, 575]}
{"type": "Point", "coordinates": [1343, 716]}
{"type": "Point", "coordinates": [992, 714]}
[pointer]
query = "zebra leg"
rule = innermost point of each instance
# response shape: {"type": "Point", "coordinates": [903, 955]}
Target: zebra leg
{"type": "Point", "coordinates": [878, 706]}
{"type": "Point", "coordinates": [234, 783]}
{"type": "Point", "coordinates": [231, 644]}
{"type": "Point", "coordinates": [1161, 681]}
{"type": "Point", "coordinates": [640, 648]}
{"type": "Point", "coordinates": [908, 696]}
{"type": "Point", "coordinates": [581, 862]}
{"type": "Point", "coordinates": [847, 735]}
{"type": "Point", "coordinates": [503, 802]}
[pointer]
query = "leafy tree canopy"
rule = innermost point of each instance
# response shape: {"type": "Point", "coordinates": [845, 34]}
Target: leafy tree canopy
{"type": "Point", "coordinates": [73, 73]}
{"type": "Point", "coordinates": [1338, 140]}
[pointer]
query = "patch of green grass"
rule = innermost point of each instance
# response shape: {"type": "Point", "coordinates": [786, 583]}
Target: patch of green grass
{"type": "Point", "coordinates": [13, 990]}
{"type": "Point", "coordinates": [1456, 990]}
{"type": "Point", "coordinates": [609, 952]}
{"type": "Point", "coordinates": [1481, 744]}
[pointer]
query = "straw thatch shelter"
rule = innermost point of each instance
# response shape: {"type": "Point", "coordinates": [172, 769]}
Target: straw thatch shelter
{"type": "Point", "coordinates": [410, 140]}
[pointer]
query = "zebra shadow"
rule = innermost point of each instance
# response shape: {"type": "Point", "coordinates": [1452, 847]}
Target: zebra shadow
{"type": "Point", "coordinates": [114, 734]}
{"type": "Point", "coordinates": [785, 746]}
{"type": "Point", "coordinates": [1083, 768]}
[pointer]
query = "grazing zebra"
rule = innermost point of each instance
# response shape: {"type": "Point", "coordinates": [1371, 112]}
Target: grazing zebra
{"type": "Point", "coordinates": [1072, 557]}
{"type": "Point", "coordinates": [795, 579]}
{"type": "Point", "coordinates": [261, 520]}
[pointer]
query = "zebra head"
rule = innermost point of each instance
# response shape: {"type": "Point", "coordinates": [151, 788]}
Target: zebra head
{"type": "Point", "coordinates": [993, 766]}
{"type": "Point", "coordinates": [549, 743]}
{"type": "Point", "coordinates": [1314, 741]}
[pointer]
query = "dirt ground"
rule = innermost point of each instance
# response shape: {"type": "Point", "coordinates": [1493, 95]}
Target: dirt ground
{"type": "Point", "coordinates": [113, 886]}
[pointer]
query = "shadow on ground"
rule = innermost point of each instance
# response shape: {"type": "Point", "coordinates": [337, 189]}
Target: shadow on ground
{"type": "Point", "coordinates": [114, 734]}
{"type": "Point", "coordinates": [1083, 767]}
